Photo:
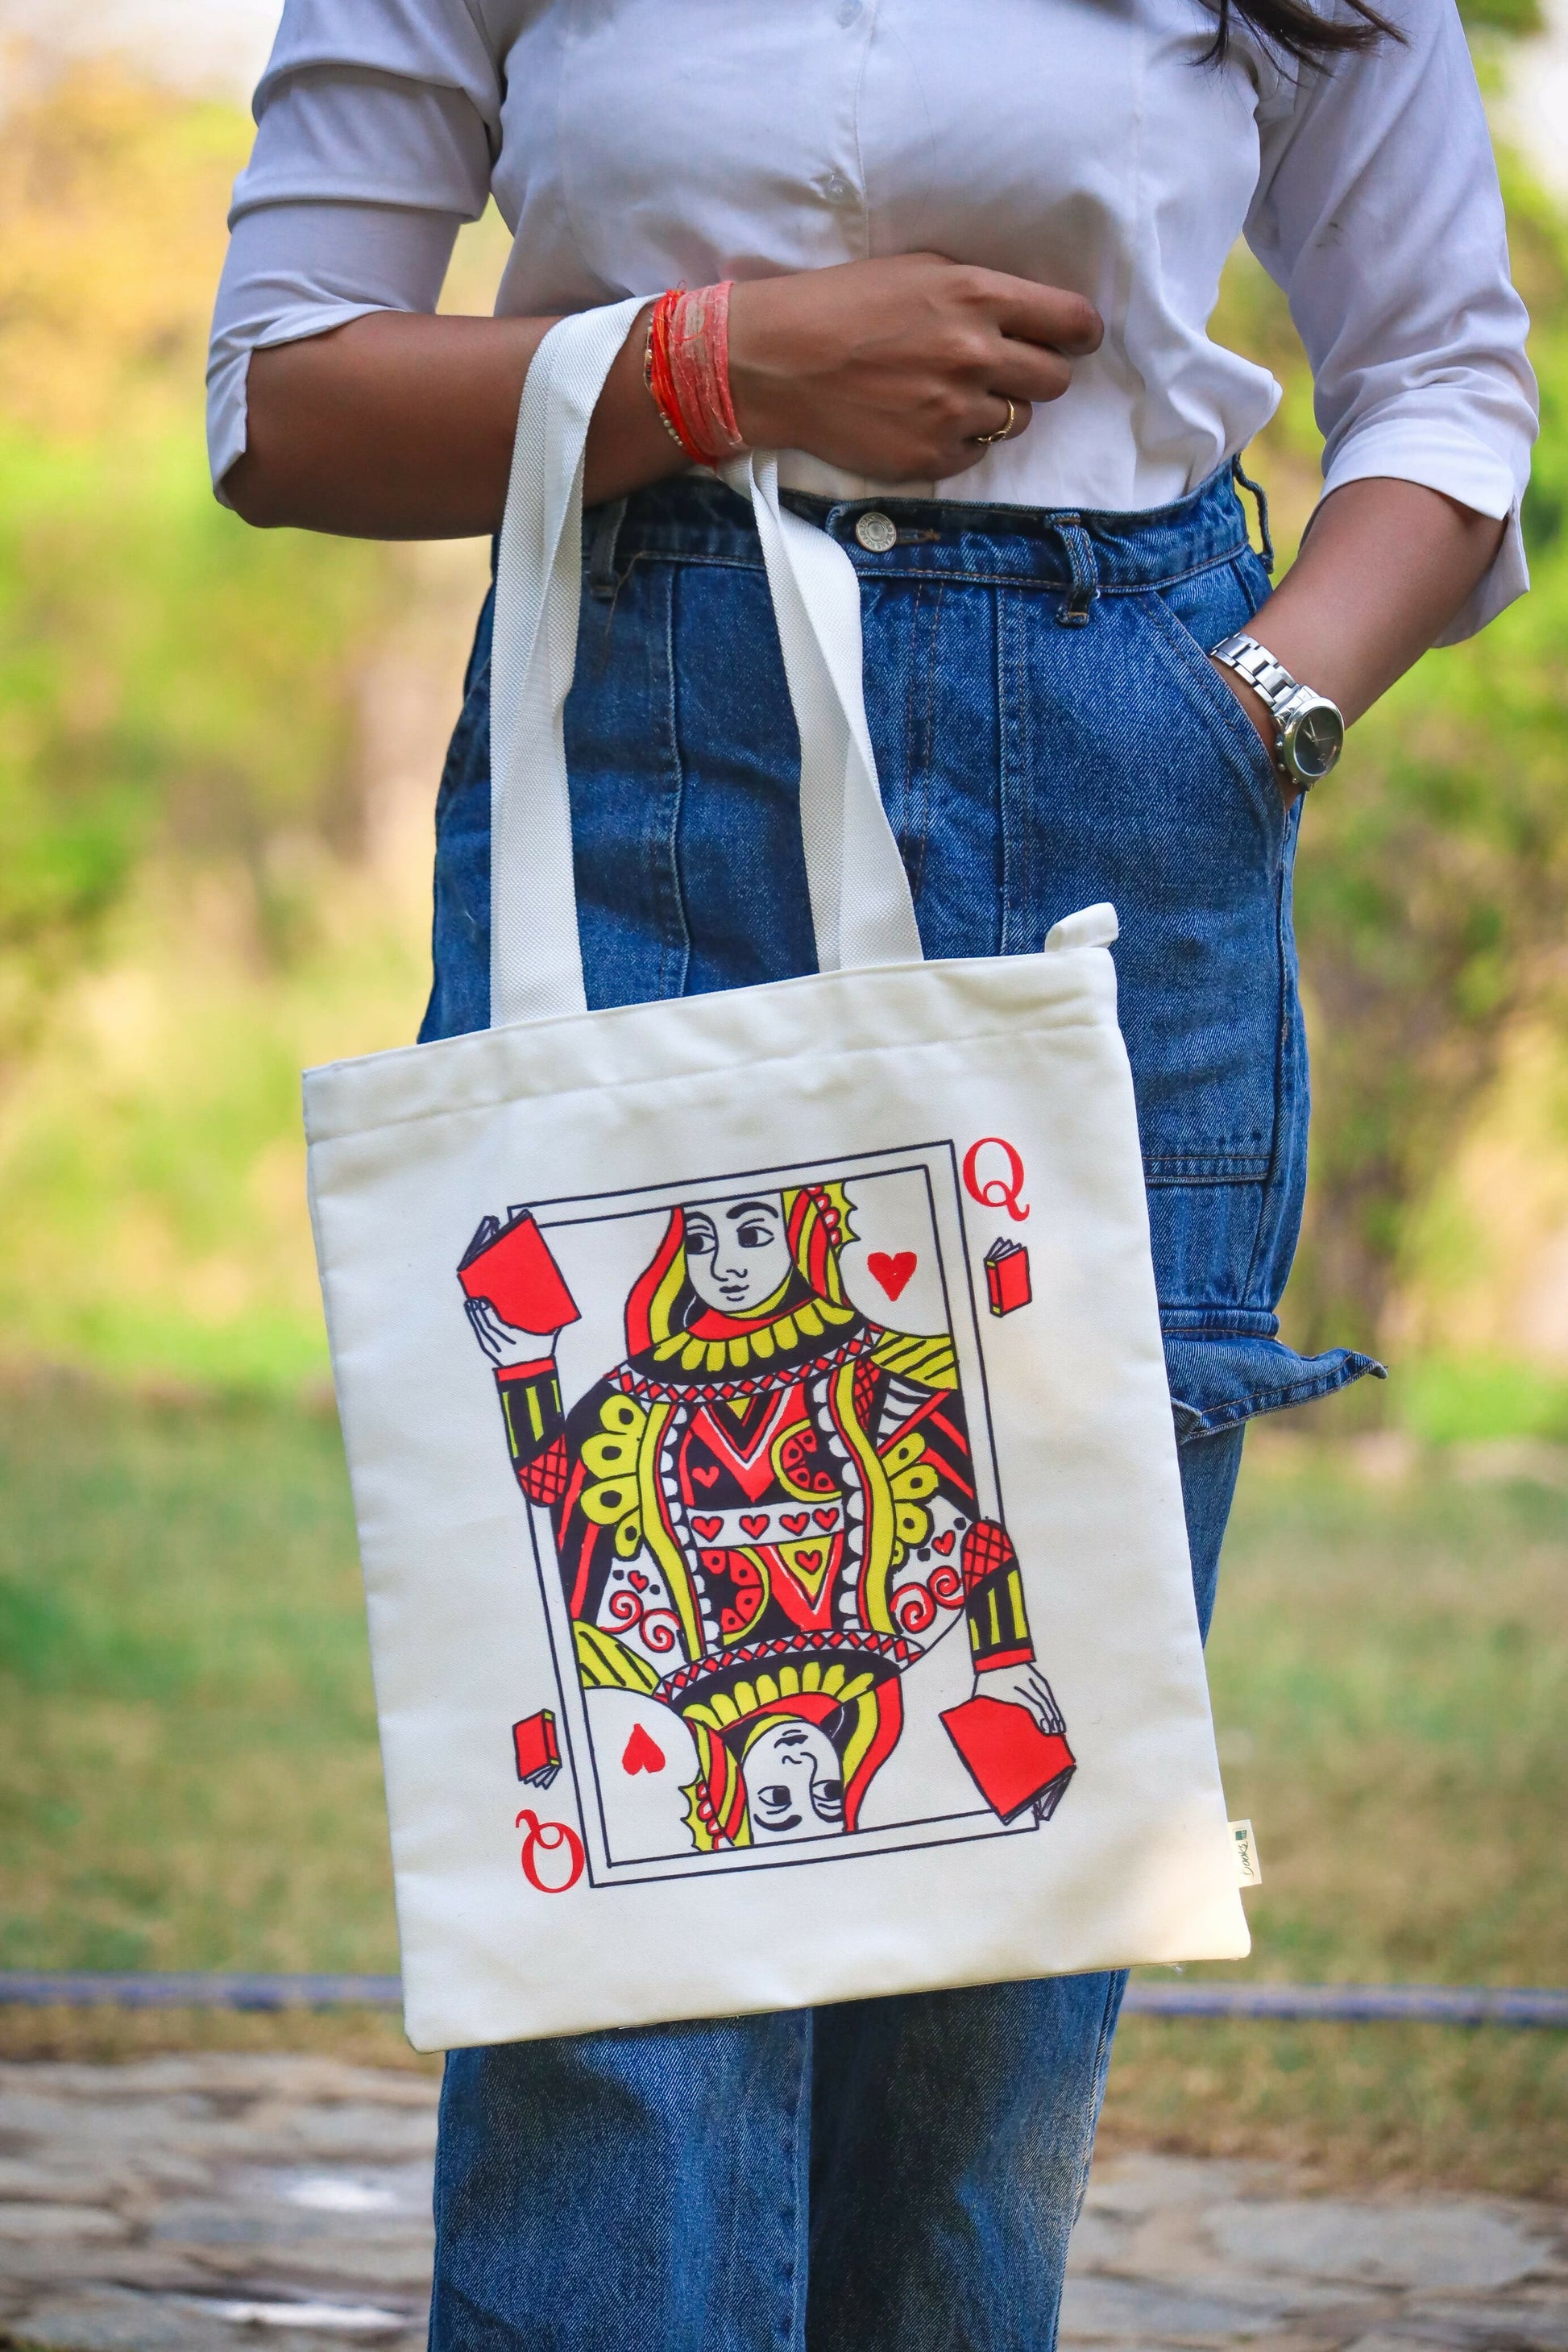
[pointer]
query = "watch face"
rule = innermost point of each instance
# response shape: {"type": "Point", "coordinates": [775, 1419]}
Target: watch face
{"type": "Point", "coordinates": [1314, 741]}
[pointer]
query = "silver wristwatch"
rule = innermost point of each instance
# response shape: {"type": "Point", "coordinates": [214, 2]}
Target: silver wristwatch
{"type": "Point", "coordinates": [1309, 729]}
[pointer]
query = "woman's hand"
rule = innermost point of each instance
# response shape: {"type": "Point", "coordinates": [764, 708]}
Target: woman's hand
{"type": "Point", "coordinates": [1383, 568]}
{"type": "Point", "coordinates": [401, 426]}
{"type": "Point", "coordinates": [894, 369]}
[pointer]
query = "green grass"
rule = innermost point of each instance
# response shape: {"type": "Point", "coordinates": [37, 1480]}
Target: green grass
{"type": "Point", "coordinates": [190, 1779]}
{"type": "Point", "coordinates": [1390, 1675]}
{"type": "Point", "coordinates": [1389, 1668]}
{"type": "Point", "coordinates": [1350, 2106]}
{"type": "Point", "coordinates": [188, 1768]}
{"type": "Point", "coordinates": [1446, 1402]}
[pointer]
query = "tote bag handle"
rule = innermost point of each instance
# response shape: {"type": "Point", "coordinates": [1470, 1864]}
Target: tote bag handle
{"type": "Point", "coordinates": [861, 909]}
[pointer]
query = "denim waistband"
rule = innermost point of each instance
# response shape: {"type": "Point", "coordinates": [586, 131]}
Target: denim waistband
{"type": "Point", "coordinates": [1087, 553]}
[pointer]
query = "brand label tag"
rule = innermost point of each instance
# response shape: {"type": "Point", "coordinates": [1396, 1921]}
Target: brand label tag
{"type": "Point", "coordinates": [1248, 1869]}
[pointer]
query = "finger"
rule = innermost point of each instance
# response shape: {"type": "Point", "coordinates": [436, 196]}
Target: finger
{"type": "Point", "coordinates": [1026, 372]}
{"type": "Point", "coordinates": [988, 421]}
{"type": "Point", "coordinates": [1049, 315]}
{"type": "Point", "coordinates": [1004, 419]}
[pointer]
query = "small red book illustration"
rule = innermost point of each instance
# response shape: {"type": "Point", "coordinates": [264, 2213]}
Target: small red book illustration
{"type": "Point", "coordinates": [1011, 1762]}
{"type": "Point", "coordinates": [1008, 1283]}
{"type": "Point", "coordinates": [538, 1749]}
{"type": "Point", "coordinates": [511, 1266]}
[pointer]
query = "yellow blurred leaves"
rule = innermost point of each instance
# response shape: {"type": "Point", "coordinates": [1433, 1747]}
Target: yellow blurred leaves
{"type": "Point", "coordinates": [113, 203]}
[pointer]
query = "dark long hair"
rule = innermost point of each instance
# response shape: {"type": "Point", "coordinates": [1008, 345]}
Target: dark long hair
{"type": "Point", "coordinates": [1297, 31]}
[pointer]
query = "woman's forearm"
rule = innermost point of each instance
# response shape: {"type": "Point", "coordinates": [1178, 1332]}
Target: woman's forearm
{"type": "Point", "coordinates": [401, 426]}
{"type": "Point", "coordinates": [1383, 569]}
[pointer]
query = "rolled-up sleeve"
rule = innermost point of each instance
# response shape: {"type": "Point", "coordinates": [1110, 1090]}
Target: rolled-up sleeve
{"type": "Point", "coordinates": [376, 131]}
{"type": "Point", "coordinates": [1378, 212]}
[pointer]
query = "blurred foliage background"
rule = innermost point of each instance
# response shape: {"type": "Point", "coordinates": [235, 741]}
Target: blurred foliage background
{"type": "Point", "coordinates": [217, 750]}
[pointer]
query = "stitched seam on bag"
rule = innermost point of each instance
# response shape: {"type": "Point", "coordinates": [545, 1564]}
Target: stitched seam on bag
{"type": "Point", "coordinates": [674, 1077]}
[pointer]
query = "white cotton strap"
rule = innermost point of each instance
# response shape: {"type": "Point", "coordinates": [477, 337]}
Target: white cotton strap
{"type": "Point", "coordinates": [536, 960]}
{"type": "Point", "coordinates": [861, 909]}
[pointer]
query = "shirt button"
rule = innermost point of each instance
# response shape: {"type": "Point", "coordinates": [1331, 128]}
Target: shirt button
{"type": "Point", "coordinates": [836, 188]}
{"type": "Point", "coordinates": [877, 531]}
{"type": "Point", "coordinates": [849, 12]}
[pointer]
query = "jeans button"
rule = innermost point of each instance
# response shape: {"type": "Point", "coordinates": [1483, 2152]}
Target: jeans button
{"type": "Point", "coordinates": [877, 531]}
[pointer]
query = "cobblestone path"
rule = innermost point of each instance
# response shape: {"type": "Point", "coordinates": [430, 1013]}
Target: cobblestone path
{"type": "Point", "coordinates": [225, 2204]}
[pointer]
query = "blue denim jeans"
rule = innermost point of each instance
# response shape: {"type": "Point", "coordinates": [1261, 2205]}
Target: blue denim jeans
{"type": "Point", "coordinates": [898, 2173]}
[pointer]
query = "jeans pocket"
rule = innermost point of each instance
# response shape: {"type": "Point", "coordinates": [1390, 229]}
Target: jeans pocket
{"type": "Point", "coordinates": [1166, 805]}
{"type": "Point", "coordinates": [1188, 620]}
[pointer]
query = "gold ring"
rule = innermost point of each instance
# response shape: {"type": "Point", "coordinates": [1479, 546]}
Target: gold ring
{"type": "Point", "coordinates": [983, 440]}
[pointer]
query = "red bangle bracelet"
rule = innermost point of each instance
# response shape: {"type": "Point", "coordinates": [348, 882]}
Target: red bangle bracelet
{"type": "Point", "coordinates": [661, 379]}
{"type": "Point", "coordinates": [660, 410]}
{"type": "Point", "coordinates": [686, 366]}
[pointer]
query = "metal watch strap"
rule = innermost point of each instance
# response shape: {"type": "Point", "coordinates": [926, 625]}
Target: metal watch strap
{"type": "Point", "coordinates": [1262, 671]}
{"type": "Point", "coordinates": [1309, 729]}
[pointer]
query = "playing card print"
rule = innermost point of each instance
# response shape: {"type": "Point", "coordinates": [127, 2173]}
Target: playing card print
{"type": "Point", "coordinates": [788, 1617]}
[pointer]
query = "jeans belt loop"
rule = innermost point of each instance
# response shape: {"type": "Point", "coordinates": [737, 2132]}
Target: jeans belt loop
{"type": "Point", "coordinates": [1074, 609]}
{"type": "Point", "coordinates": [1246, 482]}
{"type": "Point", "coordinates": [602, 550]}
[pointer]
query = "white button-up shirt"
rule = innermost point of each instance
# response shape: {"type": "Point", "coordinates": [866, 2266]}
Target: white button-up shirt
{"type": "Point", "coordinates": [634, 144]}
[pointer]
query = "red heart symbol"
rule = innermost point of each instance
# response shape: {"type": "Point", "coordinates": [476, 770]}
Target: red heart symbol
{"type": "Point", "coordinates": [705, 1477]}
{"type": "Point", "coordinates": [706, 1529]}
{"type": "Point", "coordinates": [793, 1522]}
{"type": "Point", "coordinates": [943, 1544]}
{"type": "Point", "coordinates": [638, 1580]}
{"type": "Point", "coordinates": [829, 1519]}
{"type": "Point", "coordinates": [755, 1523]}
{"type": "Point", "coordinates": [642, 1754]}
{"type": "Point", "coordinates": [892, 1273]}
{"type": "Point", "coordinates": [807, 1560]}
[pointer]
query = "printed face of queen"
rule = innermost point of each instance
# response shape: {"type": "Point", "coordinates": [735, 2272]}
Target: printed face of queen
{"type": "Point", "coordinates": [737, 1252]}
{"type": "Point", "coordinates": [794, 1784]}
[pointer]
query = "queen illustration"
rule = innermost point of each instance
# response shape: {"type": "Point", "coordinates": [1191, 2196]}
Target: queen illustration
{"type": "Point", "coordinates": [765, 1515]}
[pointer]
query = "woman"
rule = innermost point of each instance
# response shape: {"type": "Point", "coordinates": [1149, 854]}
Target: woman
{"type": "Point", "coordinates": [976, 248]}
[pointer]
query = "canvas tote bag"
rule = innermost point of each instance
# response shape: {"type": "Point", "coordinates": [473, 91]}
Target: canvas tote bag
{"type": "Point", "coordinates": [757, 1417]}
